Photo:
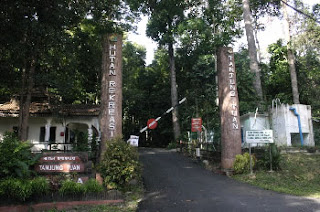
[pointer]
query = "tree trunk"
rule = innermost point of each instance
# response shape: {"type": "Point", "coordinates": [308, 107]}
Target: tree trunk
{"type": "Point", "coordinates": [290, 57]}
{"type": "Point", "coordinates": [254, 66]}
{"type": "Point", "coordinates": [111, 90]}
{"type": "Point", "coordinates": [174, 93]}
{"type": "Point", "coordinates": [22, 99]}
{"type": "Point", "coordinates": [25, 99]}
{"type": "Point", "coordinates": [104, 97]}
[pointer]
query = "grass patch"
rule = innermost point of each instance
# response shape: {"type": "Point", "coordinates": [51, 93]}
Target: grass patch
{"type": "Point", "coordinates": [299, 175]}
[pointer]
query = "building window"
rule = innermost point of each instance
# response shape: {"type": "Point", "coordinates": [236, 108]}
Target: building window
{"type": "Point", "coordinates": [52, 137]}
{"type": "Point", "coordinates": [42, 134]}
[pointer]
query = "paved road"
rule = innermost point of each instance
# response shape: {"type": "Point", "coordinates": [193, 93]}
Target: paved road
{"type": "Point", "coordinates": [176, 183]}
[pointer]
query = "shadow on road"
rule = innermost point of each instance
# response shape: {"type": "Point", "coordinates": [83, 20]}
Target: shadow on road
{"type": "Point", "coordinates": [174, 182]}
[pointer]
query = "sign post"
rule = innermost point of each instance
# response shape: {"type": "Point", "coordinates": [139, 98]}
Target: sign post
{"type": "Point", "coordinates": [196, 124]}
{"type": "Point", "coordinates": [259, 137]}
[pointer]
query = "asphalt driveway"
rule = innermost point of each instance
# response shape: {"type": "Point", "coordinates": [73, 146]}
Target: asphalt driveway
{"type": "Point", "coordinates": [176, 183]}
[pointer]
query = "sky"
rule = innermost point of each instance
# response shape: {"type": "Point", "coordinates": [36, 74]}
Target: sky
{"type": "Point", "coordinates": [273, 31]}
{"type": "Point", "coordinates": [140, 38]}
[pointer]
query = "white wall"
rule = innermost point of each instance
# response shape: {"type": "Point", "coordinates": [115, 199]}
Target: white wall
{"type": "Point", "coordinates": [35, 123]}
{"type": "Point", "coordinates": [285, 124]}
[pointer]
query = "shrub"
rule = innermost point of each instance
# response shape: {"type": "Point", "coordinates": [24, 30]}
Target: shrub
{"type": "Point", "coordinates": [119, 164]}
{"type": "Point", "coordinates": [16, 189]}
{"type": "Point", "coordinates": [22, 189]}
{"type": "Point", "coordinates": [264, 162]}
{"type": "Point", "coordinates": [15, 157]}
{"type": "Point", "coordinates": [82, 144]}
{"type": "Point", "coordinates": [71, 187]}
{"type": "Point", "coordinates": [242, 163]}
{"type": "Point", "coordinates": [92, 186]}
{"type": "Point", "coordinates": [40, 185]}
{"type": "Point", "coordinates": [172, 145]}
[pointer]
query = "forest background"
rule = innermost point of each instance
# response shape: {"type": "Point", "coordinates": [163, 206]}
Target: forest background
{"type": "Point", "coordinates": [57, 45]}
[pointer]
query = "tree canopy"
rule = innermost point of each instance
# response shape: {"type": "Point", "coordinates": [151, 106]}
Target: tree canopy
{"type": "Point", "coordinates": [57, 44]}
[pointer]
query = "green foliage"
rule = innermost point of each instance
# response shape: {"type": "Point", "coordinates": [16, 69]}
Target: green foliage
{"type": "Point", "coordinates": [82, 144]}
{"type": "Point", "coordinates": [276, 158]}
{"type": "Point", "coordinates": [21, 190]}
{"type": "Point", "coordinates": [70, 187]}
{"type": "Point", "coordinates": [40, 185]}
{"type": "Point", "coordinates": [277, 77]}
{"type": "Point", "coordinates": [16, 188]}
{"type": "Point", "coordinates": [299, 175]}
{"type": "Point", "coordinates": [92, 186]}
{"type": "Point", "coordinates": [119, 165]}
{"type": "Point", "coordinates": [172, 145]}
{"type": "Point", "coordinates": [247, 94]}
{"type": "Point", "coordinates": [15, 157]}
{"type": "Point", "coordinates": [242, 163]}
{"type": "Point", "coordinates": [146, 92]}
{"type": "Point", "coordinates": [316, 131]}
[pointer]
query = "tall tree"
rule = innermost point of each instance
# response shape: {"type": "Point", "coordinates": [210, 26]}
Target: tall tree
{"type": "Point", "coordinates": [37, 26]}
{"type": "Point", "coordinates": [164, 20]}
{"type": "Point", "coordinates": [254, 65]}
{"type": "Point", "coordinates": [290, 55]}
{"type": "Point", "coordinates": [207, 27]}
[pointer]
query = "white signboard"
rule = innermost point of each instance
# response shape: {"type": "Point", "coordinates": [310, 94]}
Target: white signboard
{"type": "Point", "coordinates": [134, 140]}
{"type": "Point", "coordinates": [261, 136]}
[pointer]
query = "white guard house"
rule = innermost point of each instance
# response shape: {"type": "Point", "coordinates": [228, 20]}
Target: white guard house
{"type": "Point", "coordinates": [286, 121]}
{"type": "Point", "coordinates": [52, 127]}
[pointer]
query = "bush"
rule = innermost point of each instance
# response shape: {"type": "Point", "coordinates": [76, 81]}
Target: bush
{"type": "Point", "coordinates": [40, 185]}
{"type": "Point", "coordinates": [119, 164]}
{"type": "Point", "coordinates": [16, 189]}
{"type": "Point", "coordinates": [172, 145]}
{"type": "Point", "coordinates": [242, 163]}
{"type": "Point", "coordinates": [15, 157]}
{"type": "Point", "coordinates": [92, 186]}
{"type": "Point", "coordinates": [264, 162]}
{"type": "Point", "coordinates": [82, 144]}
{"type": "Point", "coordinates": [70, 187]}
{"type": "Point", "coordinates": [21, 189]}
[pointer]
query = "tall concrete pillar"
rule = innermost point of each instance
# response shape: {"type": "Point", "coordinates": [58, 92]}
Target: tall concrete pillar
{"type": "Point", "coordinates": [229, 107]}
{"type": "Point", "coordinates": [90, 134]}
{"type": "Point", "coordinates": [47, 131]}
{"type": "Point", "coordinates": [111, 89]}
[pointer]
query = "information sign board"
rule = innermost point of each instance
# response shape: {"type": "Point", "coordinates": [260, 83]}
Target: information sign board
{"type": "Point", "coordinates": [134, 140]}
{"type": "Point", "coordinates": [196, 124]}
{"type": "Point", "coordinates": [261, 136]}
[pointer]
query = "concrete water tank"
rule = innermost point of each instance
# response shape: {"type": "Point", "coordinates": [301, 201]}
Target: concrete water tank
{"type": "Point", "coordinates": [284, 122]}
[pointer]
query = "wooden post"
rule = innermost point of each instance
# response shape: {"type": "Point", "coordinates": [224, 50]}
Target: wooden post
{"type": "Point", "coordinates": [111, 89]}
{"type": "Point", "coordinates": [229, 107]}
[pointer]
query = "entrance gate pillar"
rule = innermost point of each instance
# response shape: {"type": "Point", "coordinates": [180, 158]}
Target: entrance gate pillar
{"type": "Point", "coordinates": [229, 107]}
